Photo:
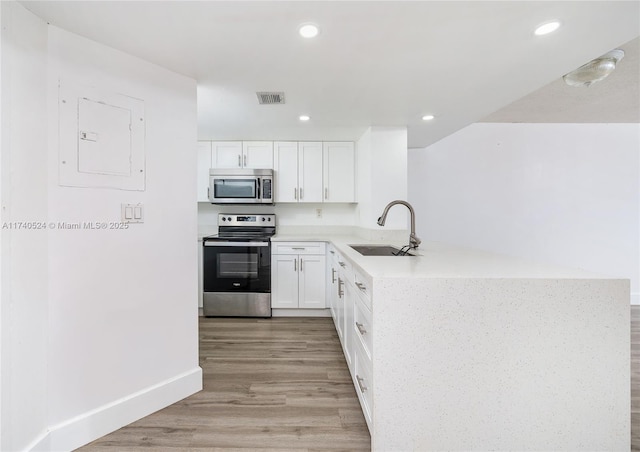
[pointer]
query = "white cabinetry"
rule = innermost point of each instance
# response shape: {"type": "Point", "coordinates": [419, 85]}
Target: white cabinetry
{"type": "Point", "coordinates": [204, 164]}
{"type": "Point", "coordinates": [298, 275]}
{"type": "Point", "coordinates": [242, 154]}
{"type": "Point", "coordinates": [350, 304]}
{"type": "Point", "coordinates": [339, 172]}
{"type": "Point", "coordinates": [298, 168]}
{"type": "Point", "coordinates": [314, 172]}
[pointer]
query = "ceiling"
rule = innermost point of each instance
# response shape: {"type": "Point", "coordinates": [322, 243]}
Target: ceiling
{"type": "Point", "coordinates": [381, 63]}
{"type": "Point", "coordinates": [613, 100]}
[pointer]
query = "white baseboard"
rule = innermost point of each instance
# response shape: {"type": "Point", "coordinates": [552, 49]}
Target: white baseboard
{"type": "Point", "coordinates": [94, 424]}
{"type": "Point", "coordinates": [301, 312]}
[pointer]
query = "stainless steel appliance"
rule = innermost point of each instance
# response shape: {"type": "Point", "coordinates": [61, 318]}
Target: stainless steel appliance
{"type": "Point", "coordinates": [241, 186]}
{"type": "Point", "coordinates": [237, 266]}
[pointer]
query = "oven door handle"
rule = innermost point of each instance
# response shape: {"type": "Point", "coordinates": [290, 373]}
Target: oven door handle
{"type": "Point", "coordinates": [236, 244]}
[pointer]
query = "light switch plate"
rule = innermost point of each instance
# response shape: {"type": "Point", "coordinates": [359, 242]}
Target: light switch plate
{"type": "Point", "coordinates": [132, 213]}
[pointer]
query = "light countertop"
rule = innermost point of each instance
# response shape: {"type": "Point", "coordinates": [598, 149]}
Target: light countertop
{"type": "Point", "coordinates": [438, 260]}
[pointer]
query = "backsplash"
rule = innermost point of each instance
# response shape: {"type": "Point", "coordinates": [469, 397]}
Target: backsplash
{"type": "Point", "coordinates": [287, 214]}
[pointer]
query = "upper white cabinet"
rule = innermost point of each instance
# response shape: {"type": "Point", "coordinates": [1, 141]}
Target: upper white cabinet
{"type": "Point", "coordinates": [285, 156]}
{"type": "Point", "coordinates": [339, 172]}
{"type": "Point", "coordinates": [314, 172]}
{"type": "Point", "coordinates": [242, 154]}
{"type": "Point", "coordinates": [204, 163]}
{"type": "Point", "coordinates": [257, 154]}
{"type": "Point", "coordinates": [309, 174]}
{"type": "Point", "coordinates": [298, 171]}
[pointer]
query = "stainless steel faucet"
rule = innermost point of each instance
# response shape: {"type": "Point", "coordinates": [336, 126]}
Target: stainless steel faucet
{"type": "Point", "coordinates": [413, 240]}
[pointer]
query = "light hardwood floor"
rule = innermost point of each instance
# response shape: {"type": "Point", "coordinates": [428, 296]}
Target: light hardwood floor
{"type": "Point", "coordinates": [277, 384]}
{"type": "Point", "coordinates": [281, 385]}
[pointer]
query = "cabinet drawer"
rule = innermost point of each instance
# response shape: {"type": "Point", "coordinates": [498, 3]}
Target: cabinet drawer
{"type": "Point", "coordinates": [364, 286]}
{"type": "Point", "coordinates": [298, 248]}
{"type": "Point", "coordinates": [362, 379]}
{"type": "Point", "coordinates": [345, 268]}
{"type": "Point", "coordinates": [362, 326]}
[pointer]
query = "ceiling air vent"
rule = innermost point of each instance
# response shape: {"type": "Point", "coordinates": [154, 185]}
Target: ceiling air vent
{"type": "Point", "coordinates": [266, 97]}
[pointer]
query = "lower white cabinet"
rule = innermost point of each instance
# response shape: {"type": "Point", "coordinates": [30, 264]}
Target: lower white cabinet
{"type": "Point", "coordinates": [298, 280]}
{"type": "Point", "coordinates": [350, 302]}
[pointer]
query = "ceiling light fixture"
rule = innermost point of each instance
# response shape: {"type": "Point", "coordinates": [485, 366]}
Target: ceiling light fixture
{"type": "Point", "coordinates": [546, 28]}
{"type": "Point", "coordinates": [594, 70]}
{"type": "Point", "coordinates": [308, 30]}
{"type": "Point", "coordinates": [304, 118]}
{"type": "Point", "coordinates": [427, 117]}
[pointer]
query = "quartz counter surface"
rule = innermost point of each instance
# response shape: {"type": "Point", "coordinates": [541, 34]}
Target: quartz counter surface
{"type": "Point", "coordinates": [473, 350]}
{"type": "Point", "coordinates": [438, 260]}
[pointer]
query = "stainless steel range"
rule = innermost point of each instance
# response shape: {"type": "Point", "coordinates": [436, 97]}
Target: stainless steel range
{"type": "Point", "coordinates": [237, 266]}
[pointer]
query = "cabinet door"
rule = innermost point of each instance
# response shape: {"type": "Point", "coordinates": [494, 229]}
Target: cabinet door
{"type": "Point", "coordinates": [339, 172]}
{"type": "Point", "coordinates": [310, 171]}
{"type": "Point", "coordinates": [204, 164]}
{"type": "Point", "coordinates": [332, 290]}
{"type": "Point", "coordinates": [226, 154]}
{"type": "Point", "coordinates": [339, 320]}
{"type": "Point", "coordinates": [284, 281]}
{"type": "Point", "coordinates": [285, 155]}
{"type": "Point", "coordinates": [312, 282]}
{"type": "Point", "coordinates": [257, 154]}
{"type": "Point", "coordinates": [348, 331]}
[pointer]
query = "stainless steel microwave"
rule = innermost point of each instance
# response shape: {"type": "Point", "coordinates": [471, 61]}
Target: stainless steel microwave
{"type": "Point", "coordinates": [241, 186]}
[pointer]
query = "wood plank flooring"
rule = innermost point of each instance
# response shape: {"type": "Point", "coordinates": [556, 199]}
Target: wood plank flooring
{"type": "Point", "coordinates": [277, 385]}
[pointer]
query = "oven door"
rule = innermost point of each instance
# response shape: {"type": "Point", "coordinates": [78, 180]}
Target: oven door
{"type": "Point", "coordinates": [237, 266]}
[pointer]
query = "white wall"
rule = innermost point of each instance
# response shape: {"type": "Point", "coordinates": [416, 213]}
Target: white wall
{"type": "Point", "coordinates": [23, 308]}
{"type": "Point", "coordinates": [98, 327]}
{"type": "Point", "coordinates": [123, 303]}
{"type": "Point", "coordinates": [560, 193]}
{"type": "Point", "coordinates": [382, 176]}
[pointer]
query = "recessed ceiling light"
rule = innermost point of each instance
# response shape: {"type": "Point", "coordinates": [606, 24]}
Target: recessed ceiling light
{"type": "Point", "coordinates": [546, 28]}
{"type": "Point", "coordinates": [427, 117]}
{"type": "Point", "coordinates": [304, 118]}
{"type": "Point", "coordinates": [308, 30]}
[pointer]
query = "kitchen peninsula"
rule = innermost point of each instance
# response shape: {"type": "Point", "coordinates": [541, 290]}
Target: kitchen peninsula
{"type": "Point", "coordinates": [460, 349]}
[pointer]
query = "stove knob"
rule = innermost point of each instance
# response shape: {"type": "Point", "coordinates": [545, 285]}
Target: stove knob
{"type": "Point", "coordinates": [224, 219]}
{"type": "Point", "coordinates": [228, 218]}
{"type": "Point", "coordinates": [269, 219]}
{"type": "Point", "coordinates": [263, 219]}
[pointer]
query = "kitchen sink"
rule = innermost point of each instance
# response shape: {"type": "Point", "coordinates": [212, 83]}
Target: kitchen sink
{"type": "Point", "coordinates": [378, 250]}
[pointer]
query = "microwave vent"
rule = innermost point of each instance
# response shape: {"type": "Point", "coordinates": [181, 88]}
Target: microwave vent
{"type": "Point", "coordinates": [270, 97]}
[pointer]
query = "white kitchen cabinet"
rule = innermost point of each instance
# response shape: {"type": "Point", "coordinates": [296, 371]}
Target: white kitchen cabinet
{"type": "Point", "coordinates": [242, 154]}
{"type": "Point", "coordinates": [332, 280]}
{"type": "Point", "coordinates": [285, 156]}
{"type": "Point", "coordinates": [350, 301]}
{"type": "Point", "coordinates": [314, 171]}
{"type": "Point", "coordinates": [298, 168]}
{"type": "Point", "coordinates": [348, 297]}
{"type": "Point", "coordinates": [298, 273]}
{"type": "Point", "coordinates": [204, 164]}
{"type": "Point", "coordinates": [257, 154]}
{"type": "Point", "coordinates": [339, 172]}
{"type": "Point", "coordinates": [226, 154]}
{"type": "Point", "coordinates": [284, 281]}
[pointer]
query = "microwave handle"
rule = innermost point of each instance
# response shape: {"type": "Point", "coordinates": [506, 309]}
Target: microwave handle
{"type": "Point", "coordinates": [258, 186]}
